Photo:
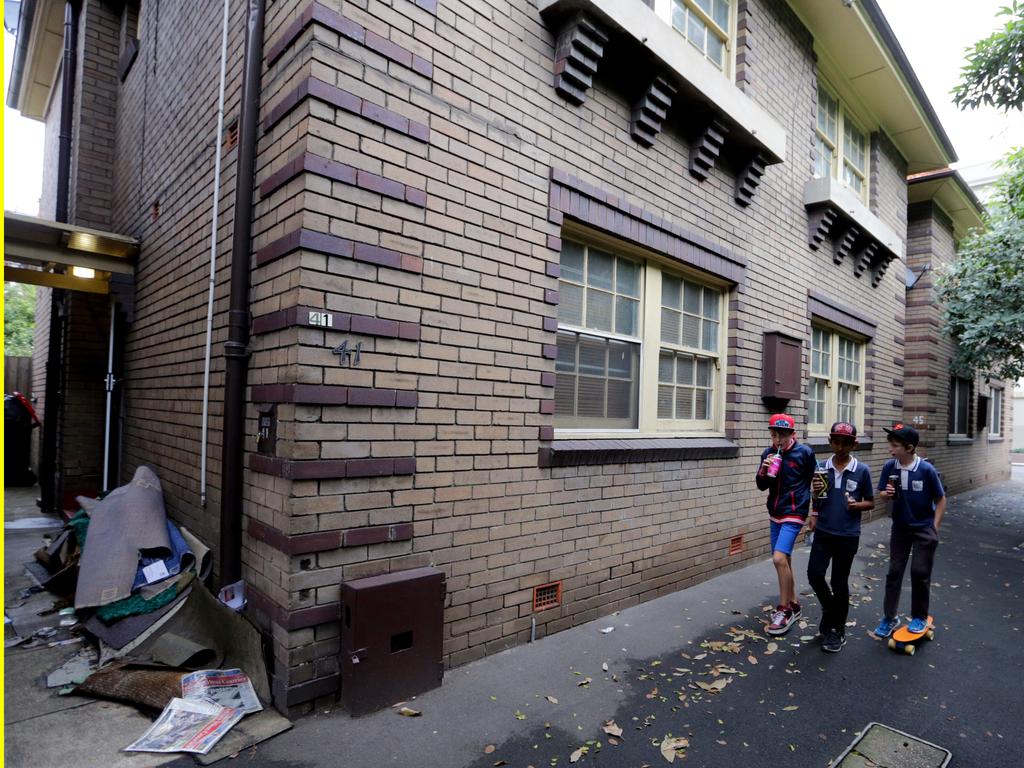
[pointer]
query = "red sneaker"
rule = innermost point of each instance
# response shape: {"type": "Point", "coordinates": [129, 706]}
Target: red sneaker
{"type": "Point", "coordinates": [782, 620]}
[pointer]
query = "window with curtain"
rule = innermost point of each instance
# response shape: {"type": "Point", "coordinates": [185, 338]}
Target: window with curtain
{"type": "Point", "coordinates": [840, 146]}
{"type": "Point", "coordinates": [706, 24]}
{"type": "Point", "coordinates": [639, 346]}
{"type": "Point", "coordinates": [959, 407]}
{"type": "Point", "coordinates": [836, 383]}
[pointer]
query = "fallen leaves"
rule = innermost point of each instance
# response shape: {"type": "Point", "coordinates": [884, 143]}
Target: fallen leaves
{"type": "Point", "coordinates": [716, 686]}
{"type": "Point", "coordinates": [611, 728]}
{"type": "Point", "coordinates": [407, 712]}
{"type": "Point", "coordinates": [575, 756]}
{"type": "Point", "coordinates": [552, 699]}
{"type": "Point", "coordinates": [584, 683]}
{"type": "Point", "coordinates": [671, 748]}
{"type": "Point", "coordinates": [489, 749]}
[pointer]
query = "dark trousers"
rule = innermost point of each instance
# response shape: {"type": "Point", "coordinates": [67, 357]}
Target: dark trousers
{"type": "Point", "coordinates": [835, 602]}
{"type": "Point", "coordinates": [917, 545]}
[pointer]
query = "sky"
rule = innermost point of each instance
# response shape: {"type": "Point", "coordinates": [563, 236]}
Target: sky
{"type": "Point", "coordinates": [933, 33]}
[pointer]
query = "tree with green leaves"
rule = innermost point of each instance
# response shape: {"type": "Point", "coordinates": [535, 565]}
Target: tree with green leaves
{"type": "Point", "coordinates": [983, 290]}
{"type": "Point", "coordinates": [19, 319]}
{"type": "Point", "coordinates": [994, 73]}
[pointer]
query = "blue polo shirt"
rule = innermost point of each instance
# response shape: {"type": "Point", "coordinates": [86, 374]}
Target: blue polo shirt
{"type": "Point", "coordinates": [920, 488]}
{"type": "Point", "coordinates": [789, 494]}
{"type": "Point", "coordinates": [833, 515]}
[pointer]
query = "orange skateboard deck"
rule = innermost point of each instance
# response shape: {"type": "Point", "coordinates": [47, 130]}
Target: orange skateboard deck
{"type": "Point", "coordinates": [905, 641]}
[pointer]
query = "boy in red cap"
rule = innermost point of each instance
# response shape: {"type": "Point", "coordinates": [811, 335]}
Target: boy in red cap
{"type": "Point", "coordinates": [786, 471]}
{"type": "Point", "coordinates": [918, 503]}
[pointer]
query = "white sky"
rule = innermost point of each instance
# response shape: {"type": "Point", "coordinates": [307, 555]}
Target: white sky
{"type": "Point", "coordinates": [933, 33]}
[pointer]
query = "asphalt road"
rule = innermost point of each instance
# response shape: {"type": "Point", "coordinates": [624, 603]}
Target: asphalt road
{"type": "Point", "coordinates": [796, 706]}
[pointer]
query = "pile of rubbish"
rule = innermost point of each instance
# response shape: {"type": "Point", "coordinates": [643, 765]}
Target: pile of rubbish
{"type": "Point", "coordinates": [130, 586]}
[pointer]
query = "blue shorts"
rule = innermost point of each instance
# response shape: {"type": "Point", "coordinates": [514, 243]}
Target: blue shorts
{"type": "Point", "coordinates": [784, 536]}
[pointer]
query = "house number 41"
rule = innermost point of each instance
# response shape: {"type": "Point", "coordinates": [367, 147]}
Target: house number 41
{"type": "Point", "coordinates": [348, 355]}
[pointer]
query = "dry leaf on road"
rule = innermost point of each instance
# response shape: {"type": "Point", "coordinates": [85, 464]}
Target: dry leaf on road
{"type": "Point", "coordinates": [406, 712]}
{"type": "Point", "coordinates": [673, 747]}
{"type": "Point", "coordinates": [611, 728]}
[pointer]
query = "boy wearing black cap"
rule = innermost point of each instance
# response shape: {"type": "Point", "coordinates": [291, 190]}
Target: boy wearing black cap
{"type": "Point", "coordinates": [918, 504]}
{"type": "Point", "coordinates": [835, 520]}
{"type": "Point", "coordinates": [786, 470]}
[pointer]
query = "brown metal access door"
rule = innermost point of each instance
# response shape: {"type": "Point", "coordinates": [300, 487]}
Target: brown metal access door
{"type": "Point", "coordinates": [391, 629]}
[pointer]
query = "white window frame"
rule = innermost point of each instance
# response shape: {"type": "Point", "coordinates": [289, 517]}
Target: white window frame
{"type": "Point", "coordinates": [841, 156]}
{"type": "Point", "coordinates": [995, 413]}
{"type": "Point", "coordinates": [651, 345]}
{"type": "Point", "coordinates": [727, 34]}
{"type": "Point", "coordinates": [831, 378]}
{"type": "Point", "coordinates": [955, 384]}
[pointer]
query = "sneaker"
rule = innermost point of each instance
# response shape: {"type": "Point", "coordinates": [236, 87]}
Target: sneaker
{"type": "Point", "coordinates": [794, 609]}
{"type": "Point", "coordinates": [917, 626]}
{"type": "Point", "coordinates": [782, 620]}
{"type": "Point", "coordinates": [834, 642]}
{"type": "Point", "coordinates": [886, 626]}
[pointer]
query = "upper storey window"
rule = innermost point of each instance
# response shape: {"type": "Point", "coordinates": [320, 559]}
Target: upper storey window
{"type": "Point", "coordinates": [840, 146]}
{"type": "Point", "coordinates": [706, 24]}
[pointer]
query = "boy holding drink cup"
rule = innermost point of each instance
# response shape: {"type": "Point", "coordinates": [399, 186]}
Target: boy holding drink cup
{"type": "Point", "coordinates": [785, 472]}
{"type": "Point", "coordinates": [918, 504]}
{"type": "Point", "coordinates": [835, 521]}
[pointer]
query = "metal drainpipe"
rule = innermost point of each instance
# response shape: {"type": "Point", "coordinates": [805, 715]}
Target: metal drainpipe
{"type": "Point", "coordinates": [236, 349]}
{"type": "Point", "coordinates": [54, 353]}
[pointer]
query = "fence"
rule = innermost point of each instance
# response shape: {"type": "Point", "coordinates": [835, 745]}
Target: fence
{"type": "Point", "coordinates": [18, 375]}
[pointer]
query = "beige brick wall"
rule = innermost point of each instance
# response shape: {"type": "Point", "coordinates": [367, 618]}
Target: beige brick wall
{"type": "Point", "coordinates": [421, 189]}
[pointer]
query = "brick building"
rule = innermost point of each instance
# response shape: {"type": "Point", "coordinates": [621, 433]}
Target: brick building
{"type": "Point", "coordinates": [524, 282]}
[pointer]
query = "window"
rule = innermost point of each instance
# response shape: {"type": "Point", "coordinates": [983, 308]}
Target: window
{"type": "Point", "coordinates": [706, 24]}
{"type": "Point", "coordinates": [959, 405]}
{"type": "Point", "coordinates": [639, 347]}
{"type": "Point", "coordinates": [845, 160]}
{"type": "Point", "coordinates": [834, 392]}
{"type": "Point", "coordinates": [995, 414]}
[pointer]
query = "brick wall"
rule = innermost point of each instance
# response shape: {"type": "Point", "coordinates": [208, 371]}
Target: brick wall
{"type": "Point", "coordinates": [449, 235]}
{"type": "Point", "coordinates": [405, 172]}
{"type": "Point", "coordinates": [982, 458]}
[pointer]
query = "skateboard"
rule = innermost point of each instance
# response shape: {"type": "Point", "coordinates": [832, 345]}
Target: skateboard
{"type": "Point", "coordinates": [906, 641]}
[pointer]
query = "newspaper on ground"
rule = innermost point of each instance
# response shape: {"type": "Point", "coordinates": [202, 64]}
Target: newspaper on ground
{"type": "Point", "coordinates": [187, 726]}
{"type": "Point", "coordinates": [227, 687]}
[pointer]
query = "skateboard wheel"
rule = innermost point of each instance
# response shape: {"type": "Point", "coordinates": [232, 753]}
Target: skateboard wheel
{"type": "Point", "coordinates": [931, 634]}
{"type": "Point", "coordinates": [892, 644]}
{"type": "Point", "coordinates": [909, 650]}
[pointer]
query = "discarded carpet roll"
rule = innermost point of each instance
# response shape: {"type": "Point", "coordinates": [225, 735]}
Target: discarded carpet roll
{"type": "Point", "coordinates": [146, 687]}
{"type": "Point", "coordinates": [128, 521]}
{"type": "Point", "coordinates": [204, 624]}
{"type": "Point", "coordinates": [200, 552]}
{"type": "Point", "coordinates": [120, 633]}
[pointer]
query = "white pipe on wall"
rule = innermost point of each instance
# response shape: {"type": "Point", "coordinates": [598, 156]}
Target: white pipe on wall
{"type": "Point", "coordinates": [213, 254]}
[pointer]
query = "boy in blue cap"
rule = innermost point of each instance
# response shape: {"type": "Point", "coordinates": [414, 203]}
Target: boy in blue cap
{"type": "Point", "coordinates": [789, 500]}
{"type": "Point", "coordinates": [918, 504]}
{"type": "Point", "coordinates": [835, 520]}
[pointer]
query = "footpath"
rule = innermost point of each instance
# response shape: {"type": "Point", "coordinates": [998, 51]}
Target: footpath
{"type": "Point", "coordinates": [695, 665]}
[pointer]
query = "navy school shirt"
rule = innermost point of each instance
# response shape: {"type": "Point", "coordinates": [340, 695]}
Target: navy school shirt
{"type": "Point", "coordinates": [789, 494]}
{"type": "Point", "coordinates": [834, 516]}
{"type": "Point", "coordinates": [920, 488]}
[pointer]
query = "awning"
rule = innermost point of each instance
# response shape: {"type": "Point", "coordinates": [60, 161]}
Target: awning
{"type": "Point", "coordinates": [56, 255]}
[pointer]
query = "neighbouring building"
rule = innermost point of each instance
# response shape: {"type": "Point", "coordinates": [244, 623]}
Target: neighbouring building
{"type": "Point", "coordinates": [525, 280]}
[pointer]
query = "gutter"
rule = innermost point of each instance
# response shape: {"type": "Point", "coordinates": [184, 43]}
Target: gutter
{"type": "Point", "coordinates": [236, 349]}
{"type": "Point", "coordinates": [26, 15]}
{"type": "Point", "coordinates": [889, 38]}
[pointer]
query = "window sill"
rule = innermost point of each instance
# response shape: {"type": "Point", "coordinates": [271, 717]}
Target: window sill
{"type": "Point", "coordinates": [574, 453]}
{"type": "Point", "coordinates": [996, 439]}
{"type": "Point", "coordinates": [831, 193]}
{"type": "Point", "coordinates": [959, 441]}
{"type": "Point", "coordinates": [631, 17]}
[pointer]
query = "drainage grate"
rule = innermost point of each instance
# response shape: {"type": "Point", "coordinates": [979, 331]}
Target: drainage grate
{"type": "Point", "coordinates": [547, 596]}
{"type": "Point", "coordinates": [736, 545]}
